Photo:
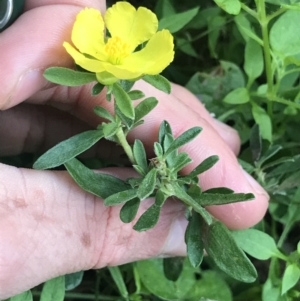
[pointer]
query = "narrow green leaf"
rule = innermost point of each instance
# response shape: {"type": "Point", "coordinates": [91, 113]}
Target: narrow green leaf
{"type": "Point", "coordinates": [160, 198]}
{"type": "Point", "coordinates": [99, 184]}
{"type": "Point", "coordinates": [164, 129]}
{"type": "Point", "coordinates": [220, 190]}
{"type": "Point", "coordinates": [290, 277]}
{"type": "Point", "coordinates": [158, 150]}
{"type": "Point", "coordinates": [173, 267]}
{"type": "Point", "coordinates": [145, 107]}
{"type": "Point", "coordinates": [54, 290]}
{"type": "Point", "coordinates": [136, 94]}
{"type": "Point", "coordinates": [177, 21]}
{"type": "Point", "coordinates": [73, 280]}
{"type": "Point", "coordinates": [127, 85]}
{"type": "Point", "coordinates": [97, 89]}
{"type": "Point", "coordinates": [204, 166]}
{"type": "Point", "coordinates": [68, 149]}
{"type": "Point", "coordinates": [227, 255]}
{"type": "Point", "coordinates": [148, 219]}
{"type": "Point", "coordinates": [195, 247]}
{"type": "Point", "coordinates": [159, 82]}
{"type": "Point", "coordinates": [120, 197]}
{"type": "Point", "coordinates": [273, 150]}
{"type": "Point", "coordinates": [129, 210]}
{"type": "Point", "coordinates": [232, 7]}
{"type": "Point", "coordinates": [180, 161]}
{"type": "Point", "coordinates": [140, 155]}
{"type": "Point", "coordinates": [237, 96]}
{"type": "Point", "coordinates": [189, 201]}
{"type": "Point", "coordinates": [255, 143]}
{"type": "Point", "coordinates": [110, 129]}
{"type": "Point", "coordinates": [127, 121]}
{"type": "Point", "coordinates": [254, 61]}
{"type": "Point", "coordinates": [148, 184]}
{"type": "Point", "coordinates": [208, 199]}
{"type": "Point", "coordinates": [256, 243]}
{"type": "Point", "coordinates": [26, 296]}
{"type": "Point", "coordinates": [103, 113]}
{"type": "Point", "coordinates": [119, 281]}
{"type": "Point", "coordinates": [262, 118]}
{"type": "Point", "coordinates": [171, 157]}
{"type": "Point", "coordinates": [123, 101]}
{"type": "Point", "coordinates": [68, 77]}
{"type": "Point", "coordinates": [183, 139]}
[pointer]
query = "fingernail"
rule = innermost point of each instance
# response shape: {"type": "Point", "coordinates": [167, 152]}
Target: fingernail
{"type": "Point", "coordinates": [29, 83]}
{"type": "Point", "coordinates": [254, 184]}
{"type": "Point", "coordinates": [175, 245]}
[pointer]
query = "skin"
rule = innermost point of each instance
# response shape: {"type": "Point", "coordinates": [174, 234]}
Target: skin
{"type": "Point", "coordinates": [48, 226]}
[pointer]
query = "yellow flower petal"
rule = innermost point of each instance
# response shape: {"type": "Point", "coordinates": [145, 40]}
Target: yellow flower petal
{"type": "Point", "coordinates": [121, 72]}
{"type": "Point", "coordinates": [155, 57]}
{"type": "Point", "coordinates": [88, 33]}
{"type": "Point", "coordinates": [131, 25]}
{"type": "Point", "coordinates": [84, 62]}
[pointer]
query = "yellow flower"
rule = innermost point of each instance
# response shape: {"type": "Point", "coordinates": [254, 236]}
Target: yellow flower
{"type": "Point", "coordinates": [114, 57]}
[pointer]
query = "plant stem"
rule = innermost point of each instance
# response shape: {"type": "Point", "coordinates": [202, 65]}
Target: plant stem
{"type": "Point", "coordinates": [249, 10]}
{"type": "Point", "coordinates": [123, 142]}
{"type": "Point", "coordinates": [263, 20]}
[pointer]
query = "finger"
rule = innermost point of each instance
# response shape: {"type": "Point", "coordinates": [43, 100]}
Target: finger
{"type": "Point", "coordinates": [50, 227]}
{"type": "Point", "coordinates": [33, 43]}
{"type": "Point", "coordinates": [226, 173]}
{"type": "Point", "coordinates": [228, 134]}
{"type": "Point", "coordinates": [35, 129]}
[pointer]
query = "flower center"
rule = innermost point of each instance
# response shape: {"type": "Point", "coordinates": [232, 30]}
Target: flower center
{"type": "Point", "coordinates": [117, 50]}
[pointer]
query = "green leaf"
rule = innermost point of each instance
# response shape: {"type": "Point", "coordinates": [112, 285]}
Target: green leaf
{"type": "Point", "coordinates": [120, 197]}
{"type": "Point", "coordinates": [68, 77]}
{"type": "Point", "coordinates": [171, 157]}
{"type": "Point", "coordinates": [220, 190]}
{"type": "Point", "coordinates": [189, 201]}
{"type": "Point", "coordinates": [195, 247]}
{"type": "Point", "coordinates": [148, 219]}
{"type": "Point", "coordinates": [97, 89]}
{"type": "Point", "coordinates": [290, 277]}
{"type": "Point", "coordinates": [73, 280]}
{"type": "Point", "coordinates": [136, 94]}
{"type": "Point", "coordinates": [26, 296]}
{"type": "Point", "coordinates": [139, 154]}
{"type": "Point", "coordinates": [208, 199]}
{"type": "Point", "coordinates": [203, 166]}
{"type": "Point", "coordinates": [145, 107]}
{"type": "Point", "coordinates": [263, 120]}
{"type": "Point", "coordinates": [164, 129]}
{"type": "Point", "coordinates": [159, 82]}
{"type": "Point", "coordinates": [227, 255]}
{"type": "Point", "coordinates": [246, 30]}
{"type": "Point", "coordinates": [119, 281]}
{"type": "Point", "coordinates": [54, 290]}
{"type": "Point", "coordinates": [164, 8]}
{"type": "Point", "coordinates": [254, 61]}
{"type": "Point", "coordinates": [183, 139]}
{"type": "Point", "coordinates": [256, 243]}
{"type": "Point", "coordinates": [158, 150]}
{"type": "Point", "coordinates": [176, 22]}
{"type": "Point", "coordinates": [232, 7]}
{"type": "Point", "coordinates": [255, 143]}
{"type": "Point", "coordinates": [173, 267]}
{"type": "Point", "coordinates": [129, 210]}
{"type": "Point", "coordinates": [284, 35]}
{"type": "Point", "coordinates": [153, 278]}
{"type": "Point", "coordinates": [148, 185]}
{"type": "Point", "coordinates": [180, 161]}
{"type": "Point", "coordinates": [123, 101]}
{"type": "Point", "coordinates": [272, 151]}
{"type": "Point", "coordinates": [103, 113]}
{"type": "Point", "coordinates": [99, 184]}
{"type": "Point", "coordinates": [110, 129]}
{"type": "Point", "coordinates": [237, 96]}
{"type": "Point", "coordinates": [127, 85]}
{"type": "Point", "coordinates": [68, 149]}
{"type": "Point", "coordinates": [127, 121]}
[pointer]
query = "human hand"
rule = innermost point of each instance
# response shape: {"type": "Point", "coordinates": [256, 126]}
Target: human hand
{"type": "Point", "coordinates": [49, 226]}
